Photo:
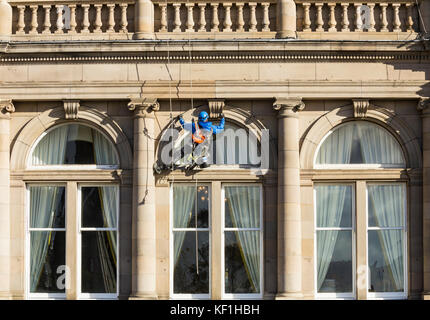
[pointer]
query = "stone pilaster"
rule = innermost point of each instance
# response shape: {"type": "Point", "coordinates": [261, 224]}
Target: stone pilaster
{"type": "Point", "coordinates": [424, 106]}
{"type": "Point", "coordinates": [5, 20]}
{"type": "Point", "coordinates": [289, 217]}
{"type": "Point", "coordinates": [286, 19]}
{"type": "Point", "coordinates": [6, 108]}
{"type": "Point", "coordinates": [144, 222]}
{"type": "Point", "coordinates": [144, 19]}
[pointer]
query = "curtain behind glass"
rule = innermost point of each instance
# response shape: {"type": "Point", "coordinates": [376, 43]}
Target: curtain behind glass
{"type": "Point", "coordinates": [104, 152]}
{"type": "Point", "coordinates": [51, 149]}
{"type": "Point", "coordinates": [388, 203]}
{"type": "Point", "coordinates": [109, 200]}
{"type": "Point", "coordinates": [244, 205]}
{"type": "Point", "coordinates": [183, 202]}
{"type": "Point", "coordinates": [43, 202]}
{"type": "Point", "coordinates": [336, 149]}
{"type": "Point", "coordinates": [330, 203]}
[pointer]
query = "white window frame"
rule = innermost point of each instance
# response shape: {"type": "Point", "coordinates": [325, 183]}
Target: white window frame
{"type": "Point", "coordinates": [355, 166]}
{"type": "Point", "coordinates": [335, 295]}
{"type": "Point", "coordinates": [85, 295]}
{"type": "Point", "coordinates": [183, 296]}
{"type": "Point", "coordinates": [39, 296]}
{"type": "Point", "coordinates": [388, 295]}
{"type": "Point", "coordinates": [70, 167]}
{"type": "Point", "coordinates": [250, 296]}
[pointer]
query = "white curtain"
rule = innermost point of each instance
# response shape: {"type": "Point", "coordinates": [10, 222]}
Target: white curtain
{"type": "Point", "coordinates": [244, 205]}
{"type": "Point", "coordinates": [336, 149]}
{"type": "Point", "coordinates": [183, 202]}
{"type": "Point", "coordinates": [51, 149]}
{"type": "Point", "coordinates": [388, 203]}
{"type": "Point", "coordinates": [330, 203]}
{"type": "Point", "coordinates": [43, 203]}
{"type": "Point", "coordinates": [103, 149]}
{"type": "Point", "coordinates": [377, 145]}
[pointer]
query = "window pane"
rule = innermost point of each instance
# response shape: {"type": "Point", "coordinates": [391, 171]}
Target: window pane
{"type": "Point", "coordinates": [47, 208]}
{"type": "Point", "coordinates": [99, 262]}
{"type": "Point", "coordinates": [47, 261]}
{"type": "Point", "coordinates": [187, 277]}
{"type": "Point", "coordinates": [242, 262]}
{"type": "Point", "coordinates": [242, 207]}
{"type": "Point", "coordinates": [334, 261]}
{"type": "Point", "coordinates": [386, 205]}
{"type": "Point", "coordinates": [184, 204]}
{"type": "Point", "coordinates": [386, 262]}
{"type": "Point", "coordinates": [74, 144]}
{"type": "Point", "coordinates": [99, 206]}
{"type": "Point", "coordinates": [334, 206]}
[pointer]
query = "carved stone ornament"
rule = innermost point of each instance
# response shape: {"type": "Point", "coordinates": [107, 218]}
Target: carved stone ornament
{"type": "Point", "coordinates": [71, 109]}
{"type": "Point", "coordinates": [142, 106]}
{"type": "Point", "coordinates": [423, 104]}
{"type": "Point", "coordinates": [360, 107]}
{"type": "Point", "coordinates": [288, 104]}
{"type": "Point", "coordinates": [6, 107]}
{"type": "Point", "coordinates": [216, 107]}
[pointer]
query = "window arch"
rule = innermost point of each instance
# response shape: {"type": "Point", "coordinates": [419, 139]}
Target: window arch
{"type": "Point", "coordinates": [359, 143]}
{"type": "Point", "coordinates": [73, 144]}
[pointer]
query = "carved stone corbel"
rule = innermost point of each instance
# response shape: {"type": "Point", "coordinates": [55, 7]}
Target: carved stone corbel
{"type": "Point", "coordinates": [423, 104]}
{"type": "Point", "coordinates": [360, 107]}
{"type": "Point", "coordinates": [143, 106]}
{"type": "Point", "coordinates": [6, 108]}
{"type": "Point", "coordinates": [288, 106]}
{"type": "Point", "coordinates": [216, 107]}
{"type": "Point", "coordinates": [71, 109]}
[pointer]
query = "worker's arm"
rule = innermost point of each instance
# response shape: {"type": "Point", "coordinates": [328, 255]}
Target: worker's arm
{"type": "Point", "coordinates": [220, 127]}
{"type": "Point", "coordinates": [187, 126]}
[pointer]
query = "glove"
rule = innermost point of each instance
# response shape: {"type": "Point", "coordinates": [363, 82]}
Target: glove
{"type": "Point", "coordinates": [181, 120]}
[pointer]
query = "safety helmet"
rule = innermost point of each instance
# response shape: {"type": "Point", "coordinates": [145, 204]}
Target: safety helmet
{"type": "Point", "coordinates": [203, 116]}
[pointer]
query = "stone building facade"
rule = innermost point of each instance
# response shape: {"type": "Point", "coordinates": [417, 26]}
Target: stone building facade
{"type": "Point", "coordinates": [88, 90]}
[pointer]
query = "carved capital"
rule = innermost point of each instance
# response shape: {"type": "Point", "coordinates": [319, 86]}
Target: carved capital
{"type": "Point", "coordinates": [423, 105]}
{"type": "Point", "coordinates": [6, 108]}
{"type": "Point", "coordinates": [216, 107]}
{"type": "Point", "coordinates": [288, 107]}
{"type": "Point", "coordinates": [360, 107]}
{"type": "Point", "coordinates": [71, 109]}
{"type": "Point", "coordinates": [142, 107]}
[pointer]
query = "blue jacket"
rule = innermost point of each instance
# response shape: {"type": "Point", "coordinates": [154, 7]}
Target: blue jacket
{"type": "Point", "coordinates": [203, 125]}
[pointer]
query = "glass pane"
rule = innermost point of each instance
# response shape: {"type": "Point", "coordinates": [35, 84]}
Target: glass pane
{"type": "Point", "coordinates": [242, 206]}
{"type": "Point", "coordinates": [386, 262]}
{"type": "Point", "coordinates": [386, 205]}
{"type": "Point", "coordinates": [187, 277]}
{"type": "Point", "coordinates": [184, 204]}
{"type": "Point", "coordinates": [99, 262]}
{"type": "Point", "coordinates": [99, 206]}
{"type": "Point", "coordinates": [242, 262]}
{"type": "Point", "coordinates": [334, 206]}
{"type": "Point", "coordinates": [334, 261]}
{"type": "Point", "coordinates": [47, 209]}
{"type": "Point", "coordinates": [47, 261]}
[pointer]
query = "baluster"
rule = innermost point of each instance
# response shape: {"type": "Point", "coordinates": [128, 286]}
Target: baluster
{"type": "Point", "coordinates": [410, 21]}
{"type": "Point", "coordinates": [111, 21]}
{"type": "Point", "coordinates": [384, 22]}
{"type": "Point", "coordinates": [190, 20]}
{"type": "Point", "coordinates": [320, 21]}
{"type": "Point", "coordinates": [21, 23]}
{"type": "Point", "coordinates": [227, 19]}
{"type": "Point", "coordinates": [33, 29]}
{"type": "Point", "coordinates": [163, 21]}
{"type": "Point", "coordinates": [332, 17]}
{"type": "Point", "coordinates": [86, 20]}
{"type": "Point", "coordinates": [371, 17]}
{"type": "Point", "coordinates": [215, 20]}
{"type": "Point", "coordinates": [73, 23]}
{"type": "Point", "coordinates": [60, 24]}
{"type": "Point", "coordinates": [47, 20]}
{"type": "Point", "coordinates": [396, 23]}
{"type": "Point", "coordinates": [358, 21]}
{"type": "Point", "coordinates": [124, 22]}
{"type": "Point", "coordinates": [307, 18]}
{"type": "Point", "coordinates": [266, 20]}
{"type": "Point", "coordinates": [240, 21]}
{"type": "Point", "coordinates": [98, 22]}
{"type": "Point", "coordinates": [177, 7]}
{"type": "Point", "coordinates": [253, 18]}
{"type": "Point", "coordinates": [202, 22]}
{"type": "Point", "coordinates": [345, 20]}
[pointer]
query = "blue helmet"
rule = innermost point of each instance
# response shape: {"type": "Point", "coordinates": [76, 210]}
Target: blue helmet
{"type": "Point", "coordinates": [203, 116]}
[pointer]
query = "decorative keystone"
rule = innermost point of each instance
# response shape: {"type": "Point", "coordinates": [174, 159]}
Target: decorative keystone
{"type": "Point", "coordinates": [71, 109]}
{"type": "Point", "coordinates": [216, 107]}
{"type": "Point", "coordinates": [360, 107]}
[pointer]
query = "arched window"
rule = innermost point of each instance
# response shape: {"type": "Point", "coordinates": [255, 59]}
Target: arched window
{"type": "Point", "coordinates": [74, 144]}
{"type": "Point", "coordinates": [360, 142]}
